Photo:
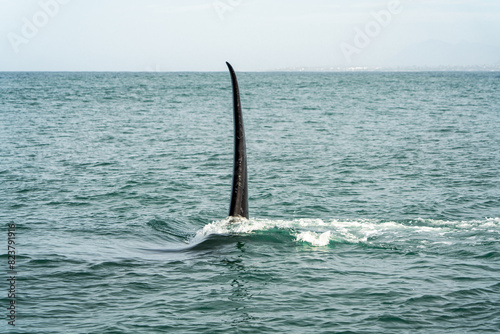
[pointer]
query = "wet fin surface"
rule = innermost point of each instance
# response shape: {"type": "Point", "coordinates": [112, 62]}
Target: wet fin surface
{"type": "Point", "coordinates": [239, 193]}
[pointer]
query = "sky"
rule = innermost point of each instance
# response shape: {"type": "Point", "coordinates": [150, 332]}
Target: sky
{"type": "Point", "coordinates": [254, 35]}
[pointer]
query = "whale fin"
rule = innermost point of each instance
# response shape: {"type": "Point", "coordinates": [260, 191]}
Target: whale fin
{"type": "Point", "coordinates": [239, 194]}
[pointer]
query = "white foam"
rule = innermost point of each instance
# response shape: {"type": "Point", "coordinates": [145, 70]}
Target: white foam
{"type": "Point", "coordinates": [315, 239]}
{"type": "Point", "coordinates": [320, 233]}
{"type": "Point", "coordinates": [487, 222]}
{"type": "Point", "coordinates": [316, 232]}
{"type": "Point", "coordinates": [231, 226]}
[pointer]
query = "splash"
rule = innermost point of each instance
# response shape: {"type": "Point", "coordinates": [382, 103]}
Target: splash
{"type": "Point", "coordinates": [314, 238]}
{"type": "Point", "coordinates": [321, 233]}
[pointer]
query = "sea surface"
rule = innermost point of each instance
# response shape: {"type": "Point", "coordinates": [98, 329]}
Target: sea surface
{"type": "Point", "coordinates": [374, 203]}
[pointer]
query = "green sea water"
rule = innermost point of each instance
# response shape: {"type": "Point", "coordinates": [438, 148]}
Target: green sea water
{"type": "Point", "coordinates": [374, 203]}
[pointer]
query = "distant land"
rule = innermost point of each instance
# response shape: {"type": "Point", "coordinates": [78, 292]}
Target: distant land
{"type": "Point", "coordinates": [431, 55]}
{"type": "Point", "coordinates": [435, 53]}
{"type": "Point", "coordinates": [484, 68]}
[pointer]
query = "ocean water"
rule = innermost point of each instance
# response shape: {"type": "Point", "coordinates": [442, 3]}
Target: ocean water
{"type": "Point", "coordinates": [374, 203]}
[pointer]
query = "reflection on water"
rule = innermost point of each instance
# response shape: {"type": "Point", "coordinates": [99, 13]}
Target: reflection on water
{"type": "Point", "coordinates": [241, 290]}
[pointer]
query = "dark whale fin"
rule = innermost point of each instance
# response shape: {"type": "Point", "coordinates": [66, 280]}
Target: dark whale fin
{"type": "Point", "coordinates": [239, 194]}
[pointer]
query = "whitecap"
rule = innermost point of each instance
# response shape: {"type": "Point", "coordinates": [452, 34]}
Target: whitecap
{"type": "Point", "coordinates": [320, 233]}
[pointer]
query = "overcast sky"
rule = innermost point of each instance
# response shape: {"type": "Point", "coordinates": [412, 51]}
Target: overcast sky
{"type": "Point", "coordinates": [254, 35]}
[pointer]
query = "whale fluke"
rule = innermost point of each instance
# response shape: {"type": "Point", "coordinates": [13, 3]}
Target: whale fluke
{"type": "Point", "coordinates": [239, 194]}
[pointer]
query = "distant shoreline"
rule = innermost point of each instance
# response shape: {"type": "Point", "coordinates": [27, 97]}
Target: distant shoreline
{"type": "Point", "coordinates": [333, 69]}
{"type": "Point", "coordinates": [485, 68]}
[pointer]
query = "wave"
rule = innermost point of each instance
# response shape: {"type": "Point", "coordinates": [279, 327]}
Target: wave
{"type": "Point", "coordinates": [321, 233]}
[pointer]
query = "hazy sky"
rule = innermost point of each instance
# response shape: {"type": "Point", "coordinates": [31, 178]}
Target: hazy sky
{"type": "Point", "coordinates": [200, 35]}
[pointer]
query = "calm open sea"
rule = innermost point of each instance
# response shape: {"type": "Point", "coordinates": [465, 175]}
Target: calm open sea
{"type": "Point", "coordinates": [374, 203]}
